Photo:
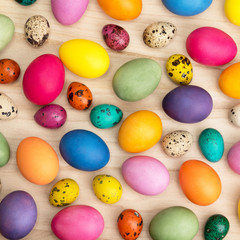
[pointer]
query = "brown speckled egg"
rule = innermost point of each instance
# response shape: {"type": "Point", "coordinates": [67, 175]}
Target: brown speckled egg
{"type": "Point", "coordinates": [9, 71]}
{"type": "Point", "coordinates": [79, 96]}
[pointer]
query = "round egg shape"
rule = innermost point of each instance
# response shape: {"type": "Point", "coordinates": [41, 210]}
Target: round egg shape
{"type": "Point", "coordinates": [200, 182]}
{"type": "Point", "coordinates": [232, 9]}
{"type": "Point", "coordinates": [211, 46]}
{"type": "Point", "coordinates": [18, 215]}
{"type": "Point", "coordinates": [43, 79]}
{"type": "Point", "coordinates": [26, 2]}
{"type": "Point", "coordinates": [9, 71]}
{"type": "Point", "coordinates": [79, 96]}
{"type": "Point", "coordinates": [130, 224]}
{"type": "Point", "coordinates": [234, 115]}
{"type": "Point", "coordinates": [84, 150]}
{"type": "Point", "coordinates": [85, 58]}
{"type": "Point", "coordinates": [136, 79]}
{"type": "Point", "coordinates": [81, 222]}
{"type": "Point", "coordinates": [211, 144]}
{"type": "Point", "coordinates": [37, 161]}
{"type": "Point", "coordinates": [174, 223]}
{"type": "Point", "coordinates": [146, 175]}
{"type": "Point", "coordinates": [4, 150]}
{"type": "Point", "coordinates": [68, 12]}
{"type": "Point", "coordinates": [188, 104]}
{"type": "Point", "coordinates": [107, 188]}
{"type": "Point", "coordinates": [116, 37]}
{"type": "Point", "coordinates": [122, 10]}
{"type": "Point", "coordinates": [179, 69]}
{"type": "Point", "coordinates": [233, 157]}
{"type": "Point", "coordinates": [105, 116]}
{"type": "Point", "coordinates": [8, 109]}
{"type": "Point", "coordinates": [64, 192]}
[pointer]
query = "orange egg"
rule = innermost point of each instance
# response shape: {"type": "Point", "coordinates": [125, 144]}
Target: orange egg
{"type": "Point", "coordinates": [121, 9]}
{"type": "Point", "coordinates": [140, 131]}
{"type": "Point", "coordinates": [37, 161]}
{"type": "Point", "coordinates": [199, 182]}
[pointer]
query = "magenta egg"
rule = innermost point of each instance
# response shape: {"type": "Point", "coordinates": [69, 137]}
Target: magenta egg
{"type": "Point", "coordinates": [233, 157]}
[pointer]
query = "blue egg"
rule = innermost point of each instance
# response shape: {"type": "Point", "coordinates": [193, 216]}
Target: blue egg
{"type": "Point", "coordinates": [211, 144]}
{"type": "Point", "coordinates": [187, 7]}
{"type": "Point", "coordinates": [84, 150]}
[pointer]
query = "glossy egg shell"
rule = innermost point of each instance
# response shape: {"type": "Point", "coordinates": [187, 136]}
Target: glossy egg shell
{"type": "Point", "coordinates": [26, 2]}
{"type": "Point", "coordinates": [9, 71]}
{"type": "Point", "coordinates": [233, 157]}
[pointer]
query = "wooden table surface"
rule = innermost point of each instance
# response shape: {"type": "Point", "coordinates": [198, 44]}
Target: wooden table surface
{"type": "Point", "coordinates": [89, 27]}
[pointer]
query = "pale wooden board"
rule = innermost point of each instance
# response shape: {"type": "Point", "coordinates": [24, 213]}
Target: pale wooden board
{"type": "Point", "coordinates": [89, 27]}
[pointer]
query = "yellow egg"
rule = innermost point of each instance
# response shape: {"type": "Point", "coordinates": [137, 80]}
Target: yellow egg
{"type": "Point", "coordinates": [85, 58]}
{"type": "Point", "coordinates": [232, 11]}
{"type": "Point", "coordinates": [64, 192]}
{"type": "Point", "coordinates": [107, 188]}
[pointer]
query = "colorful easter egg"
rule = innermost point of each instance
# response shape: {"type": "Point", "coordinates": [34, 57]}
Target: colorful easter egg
{"type": "Point", "coordinates": [9, 71]}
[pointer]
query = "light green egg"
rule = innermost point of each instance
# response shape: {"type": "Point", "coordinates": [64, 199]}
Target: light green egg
{"type": "Point", "coordinates": [4, 151]}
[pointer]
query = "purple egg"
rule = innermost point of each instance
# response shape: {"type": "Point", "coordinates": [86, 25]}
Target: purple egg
{"type": "Point", "coordinates": [51, 116]}
{"type": "Point", "coordinates": [188, 104]}
{"type": "Point", "coordinates": [115, 37]}
{"type": "Point", "coordinates": [18, 215]}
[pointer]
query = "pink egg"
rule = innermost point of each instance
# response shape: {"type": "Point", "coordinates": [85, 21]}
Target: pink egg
{"type": "Point", "coordinates": [146, 175]}
{"type": "Point", "coordinates": [233, 157]}
{"type": "Point", "coordinates": [211, 46]}
{"type": "Point", "coordinates": [44, 79]}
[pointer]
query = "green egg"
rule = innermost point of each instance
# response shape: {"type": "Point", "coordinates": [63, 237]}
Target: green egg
{"type": "Point", "coordinates": [4, 151]}
{"type": "Point", "coordinates": [26, 2]}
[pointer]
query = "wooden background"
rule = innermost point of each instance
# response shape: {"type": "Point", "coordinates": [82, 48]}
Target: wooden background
{"type": "Point", "coordinates": [89, 27]}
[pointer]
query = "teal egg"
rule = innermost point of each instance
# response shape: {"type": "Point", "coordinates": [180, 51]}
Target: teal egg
{"type": "Point", "coordinates": [4, 151]}
{"type": "Point", "coordinates": [26, 2]}
{"type": "Point", "coordinates": [105, 116]}
{"type": "Point", "coordinates": [211, 144]}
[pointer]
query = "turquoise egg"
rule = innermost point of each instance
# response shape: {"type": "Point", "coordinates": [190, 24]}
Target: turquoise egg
{"type": "Point", "coordinates": [211, 144]}
{"type": "Point", "coordinates": [26, 2]}
{"type": "Point", "coordinates": [105, 116]}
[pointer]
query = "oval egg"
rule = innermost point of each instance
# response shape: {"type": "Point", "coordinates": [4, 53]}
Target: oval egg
{"type": "Point", "coordinates": [234, 115]}
{"type": "Point", "coordinates": [9, 71]}
{"type": "Point", "coordinates": [8, 109]}
{"type": "Point", "coordinates": [7, 30]}
{"type": "Point", "coordinates": [4, 150]}
{"type": "Point", "coordinates": [232, 9]}
{"type": "Point", "coordinates": [233, 157]}
{"type": "Point", "coordinates": [26, 2]}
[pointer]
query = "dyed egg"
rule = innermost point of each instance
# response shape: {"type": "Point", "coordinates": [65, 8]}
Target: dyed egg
{"type": "Point", "coordinates": [211, 144]}
{"type": "Point", "coordinates": [107, 188]}
{"type": "Point", "coordinates": [84, 150]}
{"type": "Point", "coordinates": [211, 46]}
{"type": "Point", "coordinates": [234, 115]}
{"type": "Point", "coordinates": [136, 79]}
{"type": "Point", "coordinates": [140, 131]}
{"type": "Point", "coordinates": [121, 10]}
{"type": "Point", "coordinates": [159, 34]}
{"type": "Point", "coordinates": [177, 143]}
{"type": "Point", "coordinates": [199, 182]}
{"type": "Point", "coordinates": [188, 104]}
{"type": "Point", "coordinates": [168, 224]}
{"type": "Point", "coordinates": [37, 160]}
{"type": "Point", "coordinates": [130, 224]}
{"type": "Point", "coordinates": [8, 109]}
{"type": "Point", "coordinates": [4, 150]}
{"type": "Point", "coordinates": [232, 9]}
{"type": "Point", "coordinates": [216, 227]}
{"type": "Point", "coordinates": [179, 69]}
{"type": "Point", "coordinates": [26, 2]}
{"type": "Point", "coordinates": [187, 7]}
{"type": "Point", "coordinates": [233, 157]}
{"type": "Point", "coordinates": [68, 12]}
{"type": "Point", "coordinates": [64, 192]}
{"type": "Point", "coordinates": [81, 222]}
{"type": "Point", "coordinates": [7, 31]}
{"type": "Point", "coordinates": [85, 58]}
{"type": "Point", "coordinates": [43, 79]}
{"type": "Point", "coordinates": [79, 96]}
{"type": "Point", "coordinates": [145, 175]}
{"type": "Point", "coordinates": [105, 116]}
{"type": "Point", "coordinates": [115, 37]}
{"type": "Point", "coordinates": [9, 71]}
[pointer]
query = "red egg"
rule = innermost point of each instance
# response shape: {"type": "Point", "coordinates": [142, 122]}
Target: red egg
{"type": "Point", "coordinates": [9, 71]}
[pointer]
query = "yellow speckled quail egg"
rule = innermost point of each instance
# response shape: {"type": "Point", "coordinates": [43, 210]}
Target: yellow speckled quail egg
{"type": "Point", "coordinates": [64, 192]}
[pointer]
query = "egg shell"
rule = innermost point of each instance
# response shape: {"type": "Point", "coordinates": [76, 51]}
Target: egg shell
{"type": "Point", "coordinates": [232, 9]}
{"type": "Point", "coordinates": [105, 116]}
{"type": "Point", "coordinates": [145, 175]}
{"type": "Point", "coordinates": [37, 161]}
{"type": "Point", "coordinates": [68, 12]}
{"type": "Point", "coordinates": [200, 182]}
{"type": "Point", "coordinates": [211, 46]}
{"type": "Point", "coordinates": [187, 7]}
{"type": "Point", "coordinates": [85, 58]}
{"type": "Point", "coordinates": [234, 115]}
{"type": "Point", "coordinates": [188, 104]}
{"type": "Point", "coordinates": [79, 222]}
{"type": "Point", "coordinates": [107, 188]}
{"type": "Point", "coordinates": [43, 79]}
{"type": "Point", "coordinates": [8, 109]}
{"type": "Point", "coordinates": [233, 157]}
{"type": "Point", "coordinates": [84, 150]}
{"type": "Point", "coordinates": [18, 215]}
{"type": "Point", "coordinates": [4, 150]}
{"type": "Point", "coordinates": [211, 144]}
{"type": "Point", "coordinates": [7, 31]}
{"type": "Point", "coordinates": [130, 224]}
{"type": "Point", "coordinates": [173, 223]}
{"type": "Point", "coordinates": [136, 79]}
{"type": "Point", "coordinates": [26, 2]}
{"type": "Point", "coordinates": [116, 37]}
{"type": "Point", "coordinates": [9, 71]}
{"type": "Point", "coordinates": [159, 34]}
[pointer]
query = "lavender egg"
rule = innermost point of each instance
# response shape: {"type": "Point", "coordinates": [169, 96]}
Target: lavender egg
{"type": "Point", "coordinates": [51, 116]}
{"type": "Point", "coordinates": [116, 37]}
